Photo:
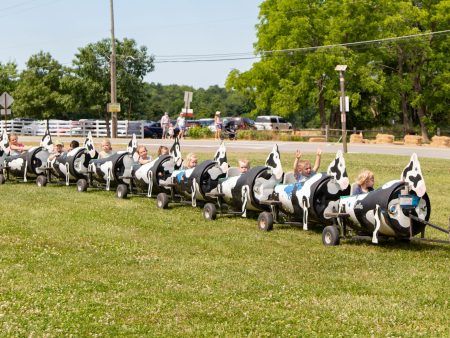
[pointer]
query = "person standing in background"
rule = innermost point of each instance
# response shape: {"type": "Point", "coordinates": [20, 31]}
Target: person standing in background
{"type": "Point", "coordinates": [181, 124]}
{"type": "Point", "coordinates": [165, 122]}
{"type": "Point", "coordinates": [218, 124]}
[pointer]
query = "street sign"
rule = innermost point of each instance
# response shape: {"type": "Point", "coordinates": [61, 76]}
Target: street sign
{"type": "Point", "coordinates": [113, 107]}
{"type": "Point", "coordinates": [6, 100]}
{"type": "Point", "coordinates": [347, 104]}
{"type": "Point", "coordinates": [8, 112]}
{"type": "Point", "coordinates": [187, 112]}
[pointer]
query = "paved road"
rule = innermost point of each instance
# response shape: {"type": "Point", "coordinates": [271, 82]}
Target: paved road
{"type": "Point", "coordinates": [285, 147]}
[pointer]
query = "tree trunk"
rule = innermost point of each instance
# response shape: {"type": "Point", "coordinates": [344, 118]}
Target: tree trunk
{"type": "Point", "coordinates": [403, 95]}
{"type": "Point", "coordinates": [406, 125]}
{"type": "Point", "coordinates": [323, 118]}
{"type": "Point", "coordinates": [334, 117]}
{"type": "Point", "coordinates": [421, 110]}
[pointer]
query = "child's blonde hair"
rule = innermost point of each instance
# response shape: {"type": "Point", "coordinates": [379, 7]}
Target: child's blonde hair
{"type": "Point", "coordinates": [300, 164]}
{"type": "Point", "coordinates": [244, 162]}
{"type": "Point", "coordinates": [107, 142]}
{"type": "Point", "coordinates": [364, 176]}
{"type": "Point", "coordinates": [190, 157]}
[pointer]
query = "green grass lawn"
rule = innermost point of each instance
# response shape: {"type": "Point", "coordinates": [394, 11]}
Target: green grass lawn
{"type": "Point", "coordinates": [88, 264]}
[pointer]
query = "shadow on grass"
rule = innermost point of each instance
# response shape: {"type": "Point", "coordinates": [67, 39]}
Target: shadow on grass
{"type": "Point", "coordinates": [389, 243]}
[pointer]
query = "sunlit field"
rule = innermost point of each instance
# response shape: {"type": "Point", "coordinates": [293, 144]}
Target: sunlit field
{"type": "Point", "coordinates": [89, 264]}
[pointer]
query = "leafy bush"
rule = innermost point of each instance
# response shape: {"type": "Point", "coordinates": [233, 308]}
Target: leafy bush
{"type": "Point", "coordinates": [200, 132]}
{"type": "Point", "coordinates": [267, 135]}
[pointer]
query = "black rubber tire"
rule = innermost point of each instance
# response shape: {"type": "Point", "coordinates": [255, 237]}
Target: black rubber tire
{"type": "Point", "coordinates": [2, 179]}
{"type": "Point", "coordinates": [82, 185]}
{"type": "Point", "coordinates": [330, 236]}
{"type": "Point", "coordinates": [209, 212]}
{"type": "Point", "coordinates": [41, 181]}
{"type": "Point", "coordinates": [265, 221]}
{"type": "Point", "coordinates": [122, 191]}
{"type": "Point", "coordinates": [162, 200]}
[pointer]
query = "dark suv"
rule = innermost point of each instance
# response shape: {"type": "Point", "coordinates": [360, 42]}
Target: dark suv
{"type": "Point", "coordinates": [154, 130]}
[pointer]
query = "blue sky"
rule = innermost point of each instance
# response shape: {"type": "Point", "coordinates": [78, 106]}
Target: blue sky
{"type": "Point", "coordinates": [170, 27]}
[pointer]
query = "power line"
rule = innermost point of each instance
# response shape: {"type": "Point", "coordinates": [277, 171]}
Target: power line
{"type": "Point", "coordinates": [26, 8]}
{"type": "Point", "coordinates": [16, 5]}
{"type": "Point", "coordinates": [193, 58]}
{"type": "Point", "coordinates": [207, 60]}
{"type": "Point", "coordinates": [251, 55]}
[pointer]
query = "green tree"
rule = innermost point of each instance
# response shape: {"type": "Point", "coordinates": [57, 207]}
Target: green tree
{"type": "Point", "coordinates": [39, 93]}
{"type": "Point", "coordinates": [8, 77]}
{"type": "Point", "coordinates": [90, 79]}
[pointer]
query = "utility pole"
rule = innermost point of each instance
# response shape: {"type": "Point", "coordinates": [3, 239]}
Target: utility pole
{"type": "Point", "coordinates": [113, 73]}
{"type": "Point", "coordinates": [341, 69]}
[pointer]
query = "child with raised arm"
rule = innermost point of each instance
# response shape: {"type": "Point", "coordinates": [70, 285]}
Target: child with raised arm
{"type": "Point", "coordinates": [302, 168]}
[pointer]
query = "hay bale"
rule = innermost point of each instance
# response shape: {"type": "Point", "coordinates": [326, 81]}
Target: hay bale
{"type": "Point", "coordinates": [317, 139]}
{"type": "Point", "coordinates": [356, 138]}
{"type": "Point", "coordinates": [413, 139]}
{"type": "Point", "coordinates": [440, 141]}
{"type": "Point", "coordinates": [309, 133]}
{"type": "Point", "coordinates": [384, 138]}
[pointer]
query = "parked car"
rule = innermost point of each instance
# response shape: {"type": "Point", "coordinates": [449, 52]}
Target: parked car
{"type": "Point", "coordinates": [205, 122]}
{"type": "Point", "coordinates": [192, 123]}
{"type": "Point", "coordinates": [154, 130]}
{"type": "Point", "coordinates": [241, 123]}
{"type": "Point", "coordinates": [272, 122]}
{"type": "Point", "coordinates": [133, 127]}
{"type": "Point", "coordinates": [23, 120]}
{"type": "Point", "coordinates": [34, 128]}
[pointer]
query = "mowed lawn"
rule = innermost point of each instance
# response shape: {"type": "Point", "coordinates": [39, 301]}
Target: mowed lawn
{"type": "Point", "coordinates": [88, 264]}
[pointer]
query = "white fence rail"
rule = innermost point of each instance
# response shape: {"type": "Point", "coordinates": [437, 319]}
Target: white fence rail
{"type": "Point", "coordinates": [75, 128]}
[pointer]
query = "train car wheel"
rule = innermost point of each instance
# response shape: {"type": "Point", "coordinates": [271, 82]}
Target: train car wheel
{"type": "Point", "coordinates": [162, 200]}
{"type": "Point", "coordinates": [2, 179]}
{"type": "Point", "coordinates": [122, 191]}
{"type": "Point", "coordinates": [330, 236]}
{"type": "Point", "coordinates": [82, 185]}
{"type": "Point", "coordinates": [41, 181]}
{"type": "Point", "coordinates": [265, 221]}
{"type": "Point", "coordinates": [209, 212]}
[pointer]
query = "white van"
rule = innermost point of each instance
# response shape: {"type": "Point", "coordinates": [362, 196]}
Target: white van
{"type": "Point", "coordinates": [272, 122]}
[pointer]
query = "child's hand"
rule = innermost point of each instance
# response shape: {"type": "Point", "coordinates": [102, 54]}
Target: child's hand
{"type": "Point", "coordinates": [298, 154]}
{"type": "Point", "coordinates": [319, 152]}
